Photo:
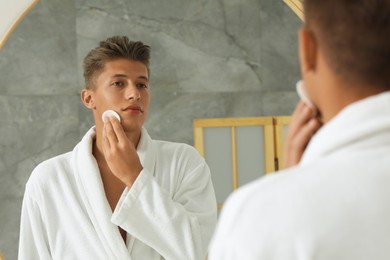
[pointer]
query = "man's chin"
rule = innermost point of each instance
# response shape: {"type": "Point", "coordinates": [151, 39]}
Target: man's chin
{"type": "Point", "coordinates": [131, 128]}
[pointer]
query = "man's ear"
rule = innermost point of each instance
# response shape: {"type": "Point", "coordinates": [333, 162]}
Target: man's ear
{"type": "Point", "coordinates": [87, 98]}
{"type": "Point", "coordinates": [307, 50]}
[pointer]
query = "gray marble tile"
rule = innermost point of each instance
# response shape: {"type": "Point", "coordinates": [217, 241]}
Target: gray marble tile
{"type": "Point", "coordinates": [85, 118]}
{"type": "Point", "coordinates": [185, 53]}
{"type": "Point", "coordinates": [247, 104]}
{"type": "Point", "coordinates": [33, 129]}
{"type": "Point", "coordinates": [9, 226]}
{"type": "Point", "coordinates": [173, 120]}
{"type": "Point", "coordinates": [40, 56]}
{"type": "Point", "coordinates": [280, 103]}
{"type": "Point", "coordinates": [279, 44]}
{"type": "Point", "coordinates": [174, 10]}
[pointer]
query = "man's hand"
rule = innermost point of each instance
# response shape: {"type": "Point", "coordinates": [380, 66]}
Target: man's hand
{"type": "Point", "coordinates": [302, 127]}
{"type": "Point", "coordinates": [120, 153]}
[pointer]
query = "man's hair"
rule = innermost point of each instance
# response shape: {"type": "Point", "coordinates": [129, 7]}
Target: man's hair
{"type": "Point", "coordinates": [116, 47]}
{"type": "Point", "coordinates": [355, 37]}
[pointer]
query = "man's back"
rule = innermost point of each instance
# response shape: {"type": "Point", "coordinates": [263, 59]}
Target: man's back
{"type": "Point", "coordinates": [334, 205]}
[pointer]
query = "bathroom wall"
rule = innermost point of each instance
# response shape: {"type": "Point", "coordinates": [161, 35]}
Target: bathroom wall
{"type": "Point", "coordinates": [220, 58]}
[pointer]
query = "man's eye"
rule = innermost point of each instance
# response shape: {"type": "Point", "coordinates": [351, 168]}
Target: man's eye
{"type": "Point", "coordinates": [117, 84]}
{"type": "Point", "coordinates": [141, 85]}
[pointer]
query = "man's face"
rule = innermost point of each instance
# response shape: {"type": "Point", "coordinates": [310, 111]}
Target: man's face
{"type": "Point", "coordinates": [123, 86]}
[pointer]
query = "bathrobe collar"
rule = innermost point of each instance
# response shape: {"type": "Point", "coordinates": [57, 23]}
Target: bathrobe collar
{"type": "Point", "coordinates": [361, 121]}
{"type": "Point", "coordinates": [91, 188]}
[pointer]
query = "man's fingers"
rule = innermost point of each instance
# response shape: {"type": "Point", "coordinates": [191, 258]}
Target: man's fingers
{"type": "Point", "coordinates": [105, 142]}
{"type": "Point", "coordinates": [301, 116]}
{"type": "Point", "coordinates": [297, 142]}
{"type": "Point", "coordinates": [298, 108]}
{"type": "Point", "coordinates": [117, 128]}
{"type": "Point", "coordinates": [120, 153]}
{"type": "Point", "coordinates": [305, 116]}
{"type": "Point", "coordinates": [110, 133]}
{"type": "Point", "coordinates": [304, 135]}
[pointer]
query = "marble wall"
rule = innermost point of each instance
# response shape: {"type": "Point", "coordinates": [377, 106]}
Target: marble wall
{"type": "Point", "coordinates": [220, 58]}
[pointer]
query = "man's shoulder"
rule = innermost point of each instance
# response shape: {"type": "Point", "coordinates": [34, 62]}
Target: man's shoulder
{"type": "Point", "coordinates": [298, 191]}
{"type": "Point", "coordinates": [50, 168]}
{"type": "Point", "coordinates": [176, 149]}
{"type": "Point", "coordinates": [171, 145]}
{"type": "Point", "coordinates": [262, 188]}
{"type": "Point", "coordinates": [54, 162]}
{"type": "Point", "coordinates": [251, 205]}
{"type": "Point", "coordinates": [274, 192]}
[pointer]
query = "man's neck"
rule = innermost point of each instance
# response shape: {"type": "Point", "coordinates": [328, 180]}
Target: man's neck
{"type": "Point", "coordinates": [341, 97]}
{"type": "Point", "coordinates": [113, 186]}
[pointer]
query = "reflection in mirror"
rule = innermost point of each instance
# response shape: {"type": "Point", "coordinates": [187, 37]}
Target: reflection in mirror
{"type": "Point", "coordinates": [210, 59]}
{"type": "Point", "coordinates": [119, 194]}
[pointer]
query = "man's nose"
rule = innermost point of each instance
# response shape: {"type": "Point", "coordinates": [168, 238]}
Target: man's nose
{"type": "Point", "coordinates": [132, 92]}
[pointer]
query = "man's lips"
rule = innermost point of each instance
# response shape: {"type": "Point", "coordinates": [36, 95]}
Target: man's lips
{"type": "Point", "coordinates": [133, 108]}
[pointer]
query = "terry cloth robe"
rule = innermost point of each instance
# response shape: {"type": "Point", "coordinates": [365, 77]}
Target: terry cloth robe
{"type": "Point", "coordinates": [334, 206]}
{"type": "Point", "coordinates": [169, 212]}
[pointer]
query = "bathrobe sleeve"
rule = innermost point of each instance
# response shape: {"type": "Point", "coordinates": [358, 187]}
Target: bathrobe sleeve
{"type": "Point", "coordinates": [33, 242]}
{"type": "Point", "coordinates": [178, 224]}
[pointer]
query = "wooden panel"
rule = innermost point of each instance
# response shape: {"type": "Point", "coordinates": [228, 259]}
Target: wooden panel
{"type": "Point", "coordinates": [198, 140]}
{"type": "Point", "coordinates": [269, 148]}
{"type": "Point", "coordinates": [230, 122]}
{"type": "Point", "coordinates": [281, 123]}
{"type": "Point", "coordinates": [226, 177]}
{"type": "Point", "coordinates": [234, 159]}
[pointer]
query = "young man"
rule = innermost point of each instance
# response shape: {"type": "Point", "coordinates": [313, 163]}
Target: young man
{"type": "Point", "coordinates": [335, 204]}
{"type": "Point", "coordinates": [119, 194]}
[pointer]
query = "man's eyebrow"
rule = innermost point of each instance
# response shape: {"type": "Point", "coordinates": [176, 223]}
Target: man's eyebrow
{"type": "Point", "coordinates": [143, 77]}
{"type": "Point", "coordinates": [125, 76]}
{"type": "Point", "coordinates": [119, 76]}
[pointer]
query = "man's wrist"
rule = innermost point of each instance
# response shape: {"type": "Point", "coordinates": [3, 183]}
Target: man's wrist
{"type": "Point", "coordinates": [133, 177]}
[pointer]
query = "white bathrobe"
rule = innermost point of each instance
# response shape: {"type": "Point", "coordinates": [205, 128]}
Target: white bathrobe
{"type": "Point", "coordinates": [169, 212]}
{"type": "Point", "coordinates": [334, 206]}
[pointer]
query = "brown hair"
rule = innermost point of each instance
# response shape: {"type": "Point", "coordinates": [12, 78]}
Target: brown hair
{"type": "Point", "coordinates": [116, 47]}
{"type": "Point", "coordinates": [355, 38]}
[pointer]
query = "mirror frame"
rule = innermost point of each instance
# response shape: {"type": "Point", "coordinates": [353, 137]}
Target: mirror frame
{"type": "Point", "coordinates": [297, 7]}
{"type": "Point", "coordinates": [23, 11]}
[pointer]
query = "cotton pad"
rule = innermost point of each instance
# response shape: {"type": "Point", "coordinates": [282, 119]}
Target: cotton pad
{"type": "Point", "coordinates": [303, 95]}
{"type": "Point", "coordinates": [109, 113]}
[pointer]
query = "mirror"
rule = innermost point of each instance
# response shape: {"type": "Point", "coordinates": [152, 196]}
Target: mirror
{"type": "Point", "coordinates": [209, 59]}
{"type": "Point", "coordinates": [296, 6]}
{"type": "Point", "coordinates": [11, 13]}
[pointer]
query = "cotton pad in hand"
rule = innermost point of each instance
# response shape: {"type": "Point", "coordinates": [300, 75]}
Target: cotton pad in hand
{"type": "Point", "coordinates": [109, 113]}
{"type": "Point", "coordinates": [303, 95]}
